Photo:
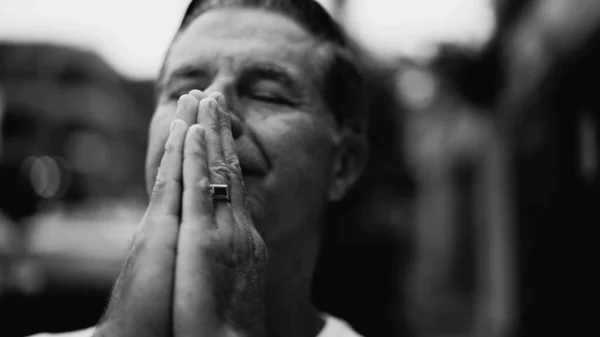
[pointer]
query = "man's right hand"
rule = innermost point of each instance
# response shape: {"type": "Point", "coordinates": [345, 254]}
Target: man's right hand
{"type": "Point", "coordinates": [141, 302]}
{"type": "Point", "coordinates": [195, 267]}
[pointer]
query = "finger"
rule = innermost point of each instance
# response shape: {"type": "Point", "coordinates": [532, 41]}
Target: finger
{"type": "Point", "coordinates": [217, 96]}
{"type": "Point", "coordinates": [156, 145]}
{"type": "Point", "coordinates": [208, 118]}
{"type": "Point", "coordinates": [236, 127]}
{"type": "Point", "coordinates": [148, 268]}
{"type": "Point", "coordinates": [186, 111]}
{"type": "Point", "coordinates": [219, 170]}
{"type": "Point", "coordinates": [197, 205]}
{"type": "Point", "coordinates": [194, 300]}
{"type": "Point", "coordinates": [199, 95]}
{"type": "Point", "coordinates": [237, 188]}
{"type": "Point", "coordinates": [187, 108]}
{"type": "Point", "coordinates": [166, 195]}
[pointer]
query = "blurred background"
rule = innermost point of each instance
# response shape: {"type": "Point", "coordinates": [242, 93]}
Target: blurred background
{"type": "Point", "coordinates": [485, 144]}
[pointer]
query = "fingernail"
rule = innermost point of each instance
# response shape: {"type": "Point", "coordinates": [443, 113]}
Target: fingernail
{"type": "Point", "coordinates": [212, 104]}
{"type": "Point", "coordinates": [220, 99]}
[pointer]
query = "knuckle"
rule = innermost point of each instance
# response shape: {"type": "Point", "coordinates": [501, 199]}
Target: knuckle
{"type": "Point", "coordinates": [208, 103]}
{"type": "Point", "coordinates": [203, 187]}
{"type": "Point", "coordinates": [160, 183]}
{"type": "Point", "coordinates": [225, 122]}
{"type": "Point", "coordinates": [203, 184]}
{"type": "Point", "coordinates": [220, 169]}
{"type": "Point", "coordinates": [213, 127]}
{"type": "Point", "coordinates": [220, 98]}
{"type": "Point", "coordinates": [234, 164]}
{"type": "Point", "coordinates": [162, 186]}
{"type": "Point", "coordinates": [171, 148]}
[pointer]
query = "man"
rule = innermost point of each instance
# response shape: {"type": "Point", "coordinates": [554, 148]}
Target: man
{"type": "Point", "coordinates": [260, 123]}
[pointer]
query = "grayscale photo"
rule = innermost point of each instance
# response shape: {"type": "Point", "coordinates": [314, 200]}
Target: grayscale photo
{"type": "Point", "coordinates": [298, 168]}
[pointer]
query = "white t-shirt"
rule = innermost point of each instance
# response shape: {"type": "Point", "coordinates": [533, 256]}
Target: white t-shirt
{"type": "Point", "coordinates": [334, 327]}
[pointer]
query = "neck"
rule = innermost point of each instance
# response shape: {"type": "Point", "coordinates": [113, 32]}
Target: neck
{"type": "Point", "coordinates": [289, 308]}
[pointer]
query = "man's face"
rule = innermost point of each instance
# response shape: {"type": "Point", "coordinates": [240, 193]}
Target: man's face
{"type": "Point", "coordinates": [270, 72]}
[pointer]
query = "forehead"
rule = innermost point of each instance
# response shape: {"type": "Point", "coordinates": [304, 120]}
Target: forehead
{"type": "Point", "coordinates": [233, 36]}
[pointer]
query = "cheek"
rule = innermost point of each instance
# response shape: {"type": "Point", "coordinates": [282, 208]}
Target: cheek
{"type": "Point", "coordinates": [299, 149]}
{"type": "Point", "coordinates": [297, 143]}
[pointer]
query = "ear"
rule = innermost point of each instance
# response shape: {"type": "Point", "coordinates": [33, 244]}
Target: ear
{"type": "Point", "coordinates": [350, 160]}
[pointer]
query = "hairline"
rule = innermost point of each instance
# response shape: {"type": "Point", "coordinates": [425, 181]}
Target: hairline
{"type": "Point", "coordinates": [319, 42]}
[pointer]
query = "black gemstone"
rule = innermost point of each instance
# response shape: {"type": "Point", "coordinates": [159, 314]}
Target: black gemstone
{"type": "Point", "coordinates": [220, 192]}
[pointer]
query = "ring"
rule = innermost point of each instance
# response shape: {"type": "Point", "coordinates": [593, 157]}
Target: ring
{"type": "Point", "coordinates": [220, 192]}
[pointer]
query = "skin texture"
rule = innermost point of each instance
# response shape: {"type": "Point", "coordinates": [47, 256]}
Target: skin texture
{"type": "Point", "coordinates": [252, 80]}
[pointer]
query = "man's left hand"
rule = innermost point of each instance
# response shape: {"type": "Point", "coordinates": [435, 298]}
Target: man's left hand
{"type": "Point", "coordinates": [221, 258]}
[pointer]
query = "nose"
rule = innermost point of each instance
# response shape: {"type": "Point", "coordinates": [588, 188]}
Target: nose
{"type": "Point", "coordinates": [237, 127]}
{"type": "Point", "coordinates": [226, 88]}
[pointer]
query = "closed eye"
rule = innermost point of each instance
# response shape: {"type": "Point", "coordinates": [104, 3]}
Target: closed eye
{"type": "Point", "coordinates": [269, 98]}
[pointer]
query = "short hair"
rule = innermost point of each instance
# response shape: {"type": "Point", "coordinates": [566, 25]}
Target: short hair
{"type": "Point", "coordinates": [345, 86]}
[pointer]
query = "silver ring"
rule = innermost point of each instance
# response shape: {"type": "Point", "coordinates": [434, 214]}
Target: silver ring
{"type": "Point", "coordinates": [220, 192]}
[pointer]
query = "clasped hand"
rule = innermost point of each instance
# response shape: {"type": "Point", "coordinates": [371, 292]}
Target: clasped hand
{"type": "Point", "coordinates": [195, 266]}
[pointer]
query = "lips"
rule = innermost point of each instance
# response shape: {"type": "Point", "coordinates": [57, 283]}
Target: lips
{"type": "Point", "coordinates": [252, 160]}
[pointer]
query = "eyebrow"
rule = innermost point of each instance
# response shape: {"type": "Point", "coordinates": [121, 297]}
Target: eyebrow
{"type": "Point", "coordinates": [274, 72]}
{"type": "Point", "coordinates": [252, 70]}
{"type": "Point", "coordinates": [186, 72]}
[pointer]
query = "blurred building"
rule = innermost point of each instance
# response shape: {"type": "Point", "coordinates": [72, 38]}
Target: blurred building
{"type": "Point", "coordinates": [74, 136]}
{"type": "Point", "coordinates": [71, 130]}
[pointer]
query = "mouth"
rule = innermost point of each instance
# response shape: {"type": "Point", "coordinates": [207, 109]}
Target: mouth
{"type": "Point", "coordinates": [251, 170]}
{"type": "Point", "coordinates": [252, 161]}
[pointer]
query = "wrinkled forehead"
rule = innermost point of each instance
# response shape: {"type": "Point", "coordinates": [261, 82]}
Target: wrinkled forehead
{"type": "Point", "coordinates": [234, 36]}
